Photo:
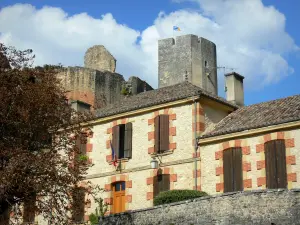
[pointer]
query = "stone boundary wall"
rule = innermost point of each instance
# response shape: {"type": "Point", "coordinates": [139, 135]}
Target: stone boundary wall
{"type": "Point", "coordinates": [272, 207]}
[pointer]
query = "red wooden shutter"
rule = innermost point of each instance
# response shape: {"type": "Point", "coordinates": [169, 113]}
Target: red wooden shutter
{"type": "Point", "coordinates": [281, 164]}
{"type": "Point", "coordinates": [156, 134]}
{"type": "Point", "coordinates": [128, 141]}
{"type": "Point", "coordinates": [164, 133]}
{"type": "Point", "coordinates": [237, 169]}
{"type": "Point", "coordinates": [228, 170]}
{"type": "Point", "coordinates": [116, 139]}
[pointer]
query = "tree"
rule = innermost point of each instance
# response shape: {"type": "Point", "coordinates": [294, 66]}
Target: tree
{"type": "Point", "coordinates": [40, 163]}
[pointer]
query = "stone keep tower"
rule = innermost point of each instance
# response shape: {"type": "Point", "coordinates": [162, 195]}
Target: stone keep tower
{"type": "Point", "coordinates": [188, 58]}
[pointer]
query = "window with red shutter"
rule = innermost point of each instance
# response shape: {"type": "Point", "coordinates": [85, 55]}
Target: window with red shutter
{"type": "Point", "coordinates": [122, 140]}
{"type": "Point", "coordinates": [161, 133]}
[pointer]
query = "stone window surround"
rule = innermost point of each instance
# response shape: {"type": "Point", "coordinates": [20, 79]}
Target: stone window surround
{"type": "Point", "coordinates": [247, 183]}
{"type": "Point", "coordinates": [172, 132]}
{"type": "Point", "coordinates": [290, 159]}
{"type": "Point", "coordinates": [109, 131]}
{"type": "Point", "coordinates": [150, 180]}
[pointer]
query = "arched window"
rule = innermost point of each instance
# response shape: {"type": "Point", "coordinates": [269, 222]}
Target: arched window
{"type": "Point", "coordinates": [276, 176]}
{"type": "Point", "coordinates": [232, 166]}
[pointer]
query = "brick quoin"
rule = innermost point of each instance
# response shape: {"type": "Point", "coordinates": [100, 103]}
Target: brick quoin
{"type": "Point", "coordinates": [151, 150]}
{"type": "Point", "coordinates": [149, 180]}
{"type": "Point", "coordinates": [89, 147]}
{"type": "Point", "coordinates": [291, 160]}
{"type": "Point", "coordinates": [172, 146]}
{"type": "Point", "coordinates": [196, 155]}
{"type": "Point", "coordinates": [289, 143]}
{"type": "Point", "coordinates": [267, 137]}
{"type": "Point", "coordinates": [108, 201]}
{"type": "Point", "coordinates": [166, 170]}
{"type": "Point", "coordinates": [149, 195]}
{"type": "Point", "coordinates": [280, 135]}
{"type": "Point", "coordinates": [107, 187]}
{"type": "Point", "coordinates": [109, 131]}
{"type": "Point", "coordinates": [86, 218]}
{"type": "Point", "coordinates": [237, 143]}
{"type": "Point", "coordinates": [260, 148]}
{"type": "Point", "coordinates": [150, 135]}
{"type": "Point", "coordinates": [123, 121]}
{"type": "Point", "coordinates": [166, 111]}
{"type": "Point", "coordinates": [129, 198]}
{"type": "Point", "coordinates": [198, 188]}
{"type": "Point", "coordinates": [198, 173]}
{"type": "Point", "coordinates": [292, 177]}
{"type": "Point", "coordinates": [172, 131]}
{"type": "Point", "coordinates": [248, 183]}
{"type": "Point", "coordinates": [260, 164]}
{"type": "Point", "coordinates": [107, 144]}
{"type": "Point", "coordinates": [219, 187]}
{"type": "Point", "coordinates": [172, 116]}
{"type": "Point", "coordinates": [129, 184]}
{"type": "Point", "coordinates": [150, 121]}
{"type": "Point", "coordinates": [261, 181]}
{"type": "Point", "coordinates": [218, 155]}
{"type": "Point", "coordinates": [246, 150]}
{"type": "Point", "coordinates": [246, 166]}
{"type": "Point", "coordinates": [225, 145]}
{"type": "Point", "coordinates": [108, 158]}
{"type": "Point", "coordinates": [219, 170]}
{"type": "Point", "coordinates": [173, 177]}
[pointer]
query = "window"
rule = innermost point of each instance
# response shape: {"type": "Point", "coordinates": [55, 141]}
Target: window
{"type": "Point", "coordinates": [205, 64]}
{"type": "Point", "coordinates": [276, 176]}
{"type": "Point", "coordinates": [122, 140]}
{"type": "Point", "coordinates": [161, 133]}
{"type": "Point", "coordinates": [161, 183]}
{"type": "Point", "coordinates": [78, 204]}
{"type": "Point", "coordinates": [233, 173]}
{"type": "Point", "coordinates": [29, 209]}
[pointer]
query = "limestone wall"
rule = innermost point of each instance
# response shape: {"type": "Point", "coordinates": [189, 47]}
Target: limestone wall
{"type": "Point", "coordinates": [254, 174]}
{"type": "Point", "coordinates": [178, 162]}
{"type": "Point", "coordinates": [277, 207]}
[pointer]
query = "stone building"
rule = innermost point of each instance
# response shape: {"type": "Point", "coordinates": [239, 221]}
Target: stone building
{"type": "Point", "coordinates": [184, 136]}
{"type": "Point", "coordinates": [97, 83]}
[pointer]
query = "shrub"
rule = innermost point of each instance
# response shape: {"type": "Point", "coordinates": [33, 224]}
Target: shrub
{"type": "Point", "coordinates": [177, 196]}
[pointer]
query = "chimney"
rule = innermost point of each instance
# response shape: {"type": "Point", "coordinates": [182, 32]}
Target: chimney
{"type": "Point", "coordinates": [234, 88]}
{"type": "Point", "coordinates": [80, 106]}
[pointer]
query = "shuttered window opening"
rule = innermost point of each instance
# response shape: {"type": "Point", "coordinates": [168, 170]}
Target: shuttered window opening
{"type": "Point", "coordinates": [78, 204]}
{"type": "Point", "coordinates": [161, 183]}
{"type": "Point", "coordinates": [161, 133]}
{"type": "Point", "coordinates": [122, 140]}
{"type": "Point", "coordinates": [233, 173]}
{"type": "Point", "coordinates": [29, 209]}
{"type": "Point", "coordinates": [276, 175]}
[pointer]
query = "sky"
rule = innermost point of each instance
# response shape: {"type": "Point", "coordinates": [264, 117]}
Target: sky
{"type": "Point", "coordinates": [260, 39]}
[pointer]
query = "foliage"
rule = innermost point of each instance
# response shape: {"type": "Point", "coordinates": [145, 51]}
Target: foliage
{"type": "Point", "coordinates": [38, 139]}
{"type": "Point", "coordinates": [101, 207]}
{"type": "Point", "coordinates": [125, 91]}
{"type": "Point", "coordinates": [176, 196]}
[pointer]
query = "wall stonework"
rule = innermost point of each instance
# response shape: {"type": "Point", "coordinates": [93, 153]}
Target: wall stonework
{"type": "Point", "coordinates": [253, 160]}
{"type": "Point", "coordinates": [188, 57]}
{"type": "Point", "coordinates": [278, 207]}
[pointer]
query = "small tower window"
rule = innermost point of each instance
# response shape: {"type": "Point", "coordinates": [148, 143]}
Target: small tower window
{"type": "Point", "coordinates": [205, 64]}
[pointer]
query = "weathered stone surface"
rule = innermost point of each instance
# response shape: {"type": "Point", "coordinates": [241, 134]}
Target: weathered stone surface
{"type": "Point", "coordinates": [188, 58]}
{"type": "Point", "coordinates": [278, 207]}
{"type": "Point", "coordinates": [98, 58]}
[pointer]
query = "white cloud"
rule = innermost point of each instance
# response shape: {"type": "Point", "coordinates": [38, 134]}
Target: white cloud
{"type": "Point", "coordinates": [249, 36]}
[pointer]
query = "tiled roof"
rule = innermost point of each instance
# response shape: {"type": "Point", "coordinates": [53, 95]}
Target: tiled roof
{"type": "Point", "coordinates": [259, 115]}
{"type": "Point", "coordinates": [158, 96]}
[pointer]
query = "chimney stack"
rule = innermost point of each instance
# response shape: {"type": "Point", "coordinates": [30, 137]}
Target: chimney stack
{"type": "Point", "coordinates": [234, 88]}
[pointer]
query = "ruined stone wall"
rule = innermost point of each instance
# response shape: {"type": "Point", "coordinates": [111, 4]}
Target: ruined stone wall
{"type": "Point", "coordinates": [263, 207]}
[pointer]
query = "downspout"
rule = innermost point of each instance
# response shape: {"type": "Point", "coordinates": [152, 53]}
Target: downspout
{"type": "Point", "coordinates": [196, 144]}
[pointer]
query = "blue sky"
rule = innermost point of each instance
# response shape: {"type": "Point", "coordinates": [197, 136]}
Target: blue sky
{"type": "Point", "coordinates": [259, 38]}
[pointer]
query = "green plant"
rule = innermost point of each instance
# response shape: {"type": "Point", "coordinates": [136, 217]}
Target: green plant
{"type": "Point", "coordinates": [101, 208]}
{"type": "Point", "coordinates": [124, 91]}
{"type": "Point", "coordinates": [176, 196]}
